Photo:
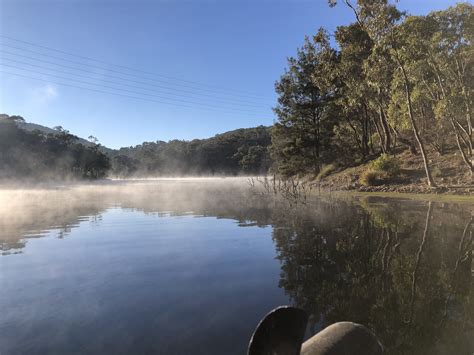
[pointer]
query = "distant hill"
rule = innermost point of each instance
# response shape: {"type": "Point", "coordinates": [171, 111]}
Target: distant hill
{"type": "Point", "coordinates": [29, 126]}
{"type": "Point", "coordinates": [241, 151]}
{"type": "Point", "coordinates": [30, 152]}
{"type": "Point", "coordinates": [33, 126]}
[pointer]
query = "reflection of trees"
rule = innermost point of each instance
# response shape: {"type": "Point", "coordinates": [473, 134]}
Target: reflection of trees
{"type": "Point", "coordinates": [31, 213]}
{"type": "Point", "coordinates": [403, 269]}
{"type": "Point", "coordinates": [415, 274]}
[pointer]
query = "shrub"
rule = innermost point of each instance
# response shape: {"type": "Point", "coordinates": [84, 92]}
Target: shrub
{"type": "Point", "coordinates": [436, 172]}
{"type": "Point", "coordinates": [386, 164]}
{"type": "Point", "coordinates": [326, 171]}
{"type": "Point", "coordinates": [370, 178]}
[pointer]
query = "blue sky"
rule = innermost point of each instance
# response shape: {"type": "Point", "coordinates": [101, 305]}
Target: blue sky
{"type": "Point", "coordinates": [214, 62]}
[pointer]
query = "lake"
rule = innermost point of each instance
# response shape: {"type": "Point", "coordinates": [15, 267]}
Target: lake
{"type": "Point", "coordinates": [190, 266]}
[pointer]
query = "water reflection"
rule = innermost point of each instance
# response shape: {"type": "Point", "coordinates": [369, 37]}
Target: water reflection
{"type": "Point", "coordinates": [403, 268]}
{"type": "Point", "coordinates": [31, 213]}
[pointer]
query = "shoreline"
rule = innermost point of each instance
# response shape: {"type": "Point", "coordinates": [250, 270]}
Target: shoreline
{"type": "Point", "coordinates": [404, 195]}
{"type": "Point", "coordinates": [402, 189]}
{"type": "Point", "coordinates": [448, 172]}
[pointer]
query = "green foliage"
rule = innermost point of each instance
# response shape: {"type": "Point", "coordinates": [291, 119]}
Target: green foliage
{"type": "Point", "coordinates": [386, 164]}
{"type": "Point", "coordinates": [393, 79]}
{"type": "Point", "coordinates": [380, 170]}
{"type": "Point", "coordinates": [243, 151]}
{"type": "Point", "coordinates": [302, 134]}
{"type": "Point", "coordinates": [370, 178]}
{"type": "Point", "coordinates": [26, 154]}
{"type": "Point", "coordinates": [35, 154]}
{"type": "Point", "coordinates": [253, 159]}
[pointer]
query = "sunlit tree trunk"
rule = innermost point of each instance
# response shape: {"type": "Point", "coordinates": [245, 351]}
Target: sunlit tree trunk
{"type": "Point", "coordinates": [414, 126]}
{"type": "Point", "coordinates": [386, 130]}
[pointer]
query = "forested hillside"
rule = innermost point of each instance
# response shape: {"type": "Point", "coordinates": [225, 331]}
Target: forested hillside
{"type": "Point", "coordinates": [390, 82]}
{"type": "Point", "coordinates": [35, 154]}
{"type": "Point", "coordinates": [44, 153]}
{"type": "Point", "coordinates": [243, 151]}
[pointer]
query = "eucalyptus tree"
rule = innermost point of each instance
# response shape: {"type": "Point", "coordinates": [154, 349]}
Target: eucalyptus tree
{"type": "Point", "coordinates": [407, 49]}
{"type": "Point", "coordinates": [435, 50]}
{"type": "Point", "coordinates": [424, 82]}
{"type": "Point", "coordinates": [450, 57]}
{"type": "Point", "coordinates": [355, 111]}
{"type": "Point", "coordinates": [376, 18]}
{"type": "Point", "coordinates": [390, 57]}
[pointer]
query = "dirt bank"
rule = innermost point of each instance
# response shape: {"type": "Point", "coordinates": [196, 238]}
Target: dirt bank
{"type": "Point", "coordinates": [448, 170]}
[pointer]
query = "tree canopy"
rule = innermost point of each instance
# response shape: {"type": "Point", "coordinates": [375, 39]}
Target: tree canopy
{"type": "Point", "coordinates": [36, 155]}
{"type": "Point", "coordinates": [242, 151]}
{"type": "Point", "coordinates": [389, 81]}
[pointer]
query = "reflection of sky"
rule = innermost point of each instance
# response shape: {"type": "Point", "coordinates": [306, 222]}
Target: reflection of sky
{"type": "Point", "coordinates": [167, 267]}
{"type": "Point", "coordinates": [133, 280]}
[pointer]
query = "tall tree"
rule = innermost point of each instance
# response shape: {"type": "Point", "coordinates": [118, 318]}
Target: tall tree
{"type": "Point", "coordinates": [450, 58]}
{"type": "Point", "coordinates": [353, 96]}
{"type": "Point", "coordinates": [404, 50]}
{"type": "Point", "coordinates": [381, 21]}
{"type": "Point", "coordinates": [304, 122]}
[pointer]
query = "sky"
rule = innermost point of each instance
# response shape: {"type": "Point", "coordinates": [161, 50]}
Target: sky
{"type": "Point", "coordinates": [130, 71]}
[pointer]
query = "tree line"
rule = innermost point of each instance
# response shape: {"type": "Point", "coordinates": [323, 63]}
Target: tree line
{"type": "Point", "coordinates": [242, 151]}
{"type": "Point", "coordinates": [388, 80]}
{"type": "Point", "coordinates": [37, 155]}
{"type": "Point", "coordinates": [28, 152]}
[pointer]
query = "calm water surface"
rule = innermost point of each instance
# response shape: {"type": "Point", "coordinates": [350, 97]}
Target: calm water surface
{"type": "Point", "coordinates": [190, 267]}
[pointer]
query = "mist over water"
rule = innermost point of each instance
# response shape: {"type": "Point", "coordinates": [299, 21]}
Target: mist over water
{"type": "Point", "coordinates": [179, 266]}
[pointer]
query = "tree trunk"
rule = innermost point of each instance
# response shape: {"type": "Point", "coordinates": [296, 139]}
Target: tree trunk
{"type": "Point", "coordinates": [431, 182]}
{"type": "Point", "coordinates": [406, 142]}
{"type": "Point", "coordinates": [467, 103]}
{"type": "Point", "coordinates": [386, 130]}
{"type": "Point", "coordinates": [469, 157]}
{"type": "Point", "coordinates": [365, 133]}
{"type": "Point", "coordinates": [463, 154]}
{"type": "Point", "coordinates": [379, 133]}
{"type": "Point", "coordinates": [356, 135]}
